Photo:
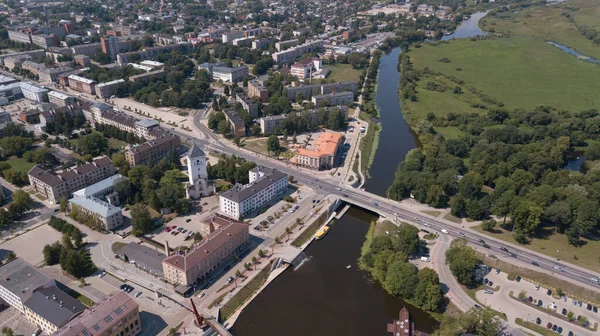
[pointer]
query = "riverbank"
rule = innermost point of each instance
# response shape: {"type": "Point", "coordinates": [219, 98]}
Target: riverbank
{"type": "Point", "coordinates": [369, 113]}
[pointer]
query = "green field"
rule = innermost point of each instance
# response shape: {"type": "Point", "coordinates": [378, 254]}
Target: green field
{"type": "Point", "coordinates": [116, 143]}
{"type": "Point", "coordinates": [20, 164]}
{"type": "Point", "coordinates": [342, 72]}
{"type": "Point", "coordinates": [521, 72]}
{"type": "Point", "coordinates": [548, 23]}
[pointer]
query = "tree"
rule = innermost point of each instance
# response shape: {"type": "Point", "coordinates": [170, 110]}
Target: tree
{"type": "Point", "coordinates": [470, 185]}
{"type": "Point", "coordinates": [526, 217]}
{"type": "Point", "coordinates": [480, 322]}
{"type": "Point", "coordinates": [237, 141]}
{"type": "Point", "coordinates": [123, 189]}
{"type": "Point", "coordinates": [462, 261]}
{"type": "Point", "coordinates": [273, 144]}
{"type": "Point", "coordinates": [401, 279]}
{"type": "Point", "coordinates": [405, 239]}
{"type": "Point", "coordinates": [428, 294]}
{"type": "Point", "coordinates": [488, 225]}
{"type": "Point", "coordinates": [141, 220]}
{"type": "Point", "coordinates": [6, 331]}
{"type": "Point", "coordinates": [52, 253]}
{"type": "Point", "coordinates": [63, 204]}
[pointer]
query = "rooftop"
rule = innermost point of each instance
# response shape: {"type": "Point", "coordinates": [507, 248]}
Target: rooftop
{"type": "Point", "coordinates": [223, 69]}
{"type": "Point", "coordinates": [51, 178]}
{"type": "Point", "coordinates": [114, 82]}
{"type": "Point", "coordinates": [240, 193]}
{"type": "Point", "coordinates": [54, 305]}
{"type": "Point", "coordinates": [146, 123]}
{"type": "Point", "coordinates": [58, 95]}
{"type": "Point", "coordinates": [143, 255]}
{"type": "Point", "coordinates": [99, 187]}
{"type": "Point", "coordinates": [81, 79]}
{"type": "Point", "coordinates": [326, 144]}
{"type": "Point", "coordinates": [211, 243]}
{"type": "Point", "coordinates": [21, 278]}
{"type": "Point", "coordinates": [96, 206]}
{"type": "Point", "coordinates": [195, 151]}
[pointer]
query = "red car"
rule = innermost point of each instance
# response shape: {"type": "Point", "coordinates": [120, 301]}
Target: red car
{"type": "Point", "coordinates": [168, 230]}
{"type": "Point", "coordinates": [549, 325]}
{"type": "Point", "coordinates": [175, 233]}
{"type": "Point", "coordinates": [173, 227]}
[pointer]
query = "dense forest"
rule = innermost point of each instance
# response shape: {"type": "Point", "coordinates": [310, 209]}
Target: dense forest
{"type": "Point", "coordinates": [507, 163]}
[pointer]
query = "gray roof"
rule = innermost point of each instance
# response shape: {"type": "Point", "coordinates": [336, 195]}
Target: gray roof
{"type": "Point", "coordinates": [147, 123]}
{"type": "Point", "coordinates": [144, 256]}
{"type": "Point", "coordinates": [99, 187]}
{"type": "Point", "coordinates": [21, 278]}
{"type": "Point", "coordinates": [239, 193]}
{"type": "Point", "coordinates": [195, 151]}
{"type": "Point", "coordinates": [222, 69]}
{"type": "Point", "coordinates": [96, 206]}
{"type": "Point", "coordinates": [54, 305]}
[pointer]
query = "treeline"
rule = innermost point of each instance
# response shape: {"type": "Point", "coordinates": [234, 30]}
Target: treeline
{"type": "Point", "coordinates": [68, 253]}
{"type": "Point", "coordinates": [64, 123]}
{"type": "Point", "coordinates": [386, 259]}
{"type": "Point", "coordinates": [117, 133]}
{"type": "Point", "coordinates": [370, 83]}
{"type": "Point", "coordinates": [333, 119]}
{"type": "Point", "coordinates": [15, 141]}
{"type": "Point", "coordinates": [100, 74]}
{"type": "Point", "coordinates": [508, 164]}
{"type": "Point", "coordinates": [588, 32]}
{"type": "Point", "coordinates": [231, 169]}
{"type": "Point", "coordinates": [15, 210]}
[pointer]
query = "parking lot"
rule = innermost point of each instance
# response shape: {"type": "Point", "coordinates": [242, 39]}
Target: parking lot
{"type": "Point", "coordinates": [282, 210]}
{"type": "Point", "coordinates": [540, 309]}
{"type": "Point", "coordinates": [30, 245]}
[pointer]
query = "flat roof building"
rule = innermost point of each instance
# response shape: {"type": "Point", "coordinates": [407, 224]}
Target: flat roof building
{"type": "Point", "coordinates": [227, 74]}
{"type": "Point", "coordinates": [51, 308]}
{"type": "Point", "coordinates": [18, 281]}
{"type": "Point", "coordinates": [82, 84]}
{"type": "Point", "coordinates": [105, 90]}
{"type": "Point", "coordinates": [323, 156]}
{"type": "Point", "coordinates": [333, 99]}
{"type": "Point", "coordinates": [152, 151]}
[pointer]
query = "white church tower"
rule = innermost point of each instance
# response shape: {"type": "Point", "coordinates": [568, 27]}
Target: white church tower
{"type": "Point", "coordinates": [196, 163]}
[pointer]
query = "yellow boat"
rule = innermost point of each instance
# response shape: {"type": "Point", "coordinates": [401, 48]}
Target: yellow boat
{"type": "Point", "coordinates": [322, 232]}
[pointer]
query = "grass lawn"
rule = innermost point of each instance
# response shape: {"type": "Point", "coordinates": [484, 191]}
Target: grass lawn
{"type": "Point", "coordinates": [80, 297]}
{"type": "Point", "coordinates": [116, 246]}
{"type": "Point", "coordinates": [432, 213]}
{"type": "Point", "coordinates": [222, 185]}
{"type": "Point", "coordinates": [546, 22]}
{"type": "Point", "coordinates": [238, 299]}
{"type": "Point", "coordinates": [342, 72]}
{"type": "Point", "coordinates": [116, 143]}
{"type": "Point", "coordinates": [521, 72]}
{"type": "Point", "coordinates": [310, 231]}
{"type": "Point", "coordinates": [585, 256]}
{"type": "Point", "coordinates": [368, 144]}
{"type": "Point", "coordinates": [382, 227]}
{"type": "Point", "coordinates": [451, 218]}
{"type": "Point", "coordinates": [534, 327]}
{"type": "Point", "coordinates": [20, 164]}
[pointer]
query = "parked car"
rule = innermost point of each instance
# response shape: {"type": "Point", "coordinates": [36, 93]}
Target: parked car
{"type": "Point", "coordinates": [549, 325]}
{"type": "Point", "coordinates": [589, 307]}
{"type": "Point", "coordinates": [230, 280]}
{"type": "Point", "coordinates": [537, 287]}
{"type": "Point", "coordinates": [129, 289]}
{"type": "Point", "coordinates": [559, 330]}
{"type": "Point", "coordinates": [570, 333]}
{"type": "Point", "coordinates": [535, 263]}
{"type": "Point", "coordinates": [530, 299]}
{"type": "Point", "coordinates": [485, 280]}
{"type": "Point", "coordinates": [497, 271]}
{"type": "Point", "coordinates": [503, 248]}
{"type": "Point", "coordinates": [482, 241]}
{"type": "Point", "coordinates": [564, 311]}
{"type": "Point", "coordinates": [579, 303]}
{"type": "Point", "coordinates": [554, 327]}
{"type": "Point", "coordinates": [574, 302]}
{"type": "Point", "coordinates": [188, 220]}
{"type": "Point", "coordinates": [488, 291]}
{"type": "Point", "coordinates": [138, 294]}
{"type": "Point", "coordinates": [101, 275]}
{"type": "Point", "coordinates": [201, 295]}
{"type": "Point", "coordinates": [518, 278]}
{"type": "Point", "coordinates": [478, 306]}
{"type": "Point", "coordinates": [549, 292]}
{"type": "Point", "coordinates": [168, 230]}
{"type": "Point", "coordinates": [491, 283]}
{"type": "Point", "coordinates": [540, 303]}
{"type": "Point", "coordinates": [123, 286]}
{"type": "Point", "coordinates": [538, 320]}
{"type": "Point", "coordinates": [173, 227]}
{"type": "Point", "coordinates": [595, 309]}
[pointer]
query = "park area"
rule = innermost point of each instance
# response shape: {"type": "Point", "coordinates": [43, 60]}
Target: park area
{"type": "Point", "coordinates": [342, 73]}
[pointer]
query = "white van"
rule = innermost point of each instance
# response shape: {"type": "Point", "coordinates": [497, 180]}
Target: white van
{"type": "Point", "coordinates": [426, 259]}
{"type": "Point", "coordinates": [444, 231]}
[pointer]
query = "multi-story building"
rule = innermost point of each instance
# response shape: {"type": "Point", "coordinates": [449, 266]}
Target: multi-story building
{"type": "Point", "coordinates": [116, 315]}
{"type": "Point", "coordinates": [108, 215]}
{"type": "Point", "coordinates": [82, 60]}
{"type": "Point", "coordinates": [60, 99]}
{"type": "Point", "coordinates": [146, 128]}
{"type": "Point", "coordinates": [152, 151]}
{"type": "Point", "coordinates": [82, 84]}
{"type": "Point", "coordinates": [147, 53]}
{"type": "Point", "coordinates": [23, 37]}
{"type": "Point", "coordinates": [262, 43]}
{"type": "Point", "coordinates": [265, 185]}
{"type": "Point", "coordinates": [87, 49]}
{"type": "Point", "coordinates": [18, 281]}
{"type": "Point", "coordinates": [269, 124]}
{"type": "Point", "coordinates": [44, 40]}
{"type": "Point", "coordinates": [52, 74]}
{"type": "Point", "coordinates": [307, 91]}
{"type": "Point", "coordinates": [248, 105]}
{"type": "Point", "coordinates": [226, 242]}
{"type": "Point", "coordinates": [243, 42]}
{"type": "Point", "coordinates": [301, 31]}
{"type": "Point", "coordinates": [229, 37]}
{"type": "Point", "coordinates": [32, 92]}
{"type": "Point", "coordinates": [54, 186]}
{"type": "Point", "coordinates": [256, 89]}
{"type": "Point", "coordinates": [110, 46]}
{"type": "Point", "coordinates": [238, 126]}
{"type": "Point", "coordinates": [303, 69]}
{"type": "Point", "coordinates": [105, 90]}
{"type": "Point", "coordinates": [333, 99]}
{"type": "Point", "coordinates": [282, 45]}
{"type": "Point", "coordinates": [51, 308]}
{"type": "Point", "coordinates": [227, 74]}
{"type": "Point", "coordinates": [38, 55]}
{"type": "Point", "coordinates": [16, 61]}
{"type": "Point", "coordinates": [291, 54]}
{"type": "Point", "coordinates": [324, 154]}
{"type": "Point", "coordinates": [4, 120]}
{"type": "Point", "coordinates": [146, 77]}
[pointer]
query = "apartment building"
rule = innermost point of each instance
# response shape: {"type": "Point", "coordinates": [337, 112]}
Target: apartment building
{"type": "Point", "coordinates": [23, 90]}
{"type": "Point", "coordinates": [256, 89]}
{"type": "Point", "coordinates": [54, 185]}
{"type": "Point", "coordinates": [324, 154]}
{"type": "Point", "coordinates": [269, 124]}
{"type": "Point", "coordinates": [248, 104]}
{"type": "Point", "coordinates": [282, 45]}
{"type": "Point", "coordinates": [82, 60]}
{"type": "Point", "coordinates": [18, 36]}
{"type": "Point", "coordinates": [16, 61]}
{"type": "Point", "coordinates": [82, 84]}
{"type": "Point", "coordinates": [229, 240]}
{"type": "Point", "coordinates": [105, 90]}
{"type": "Point", "coordinates": [87, 49]}
{"type": "Point", "coordinates": [262, 43]}
{"type": "Point", "coordinates": [110, 46]}
{"type": "Point", "coordinates": [51, 308]}
{"type": "Point", "coordinates": [18, 281]}
{"type": "Point", "coordinates": [291, 54]}
{"type": "Point", "coordinates": [307, 91]}
{"type": "Point", "coordinates": [60, 99]}
{"type": "Point", "coordinates": [333, 99]}
{"type": "Point", "coordinates": [230, 36]}
{"type": "Point", "coordinates": [37, 55]}
{"type": "Point", "coordinates": [238, 126]}
{"type": "Point", "coordinates": [148, 53]}
{"type": "Point", "coordinates": [44, 40]}
{"type": "Point", "coordinates": [304, 68]}
{"type": "Point", "coordinates": [116, 315]}
{"type": "Point", "coordinates": [152, 151]}
{"type": "Point", "coordinates": [227, 74]}
{"type": "Point", "coordinates": [243, 42]}
{"type": "Point", "coordinates": [265, 185]}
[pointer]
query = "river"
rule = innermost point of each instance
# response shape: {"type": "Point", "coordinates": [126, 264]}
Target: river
{"type": "Point", "coordinates": [468, 28]}
{"type": "Point", "coordinates": [322, 297]}
{"type": "Point", "coordinates": [395, 138]}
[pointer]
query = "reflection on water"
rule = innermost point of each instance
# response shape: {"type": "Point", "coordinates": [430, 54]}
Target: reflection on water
{"type": "Point", "coordinates": [323, 297]}
{"type": "Point", "coordinates": [573, 52]}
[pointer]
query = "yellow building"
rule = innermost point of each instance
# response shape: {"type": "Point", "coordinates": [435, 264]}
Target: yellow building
{"type": "Point", "coordinates": [51, 308]}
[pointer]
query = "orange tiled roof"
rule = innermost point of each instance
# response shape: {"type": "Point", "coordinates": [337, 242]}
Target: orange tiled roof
{"type": "Point", "coordinates": [326, 145]}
